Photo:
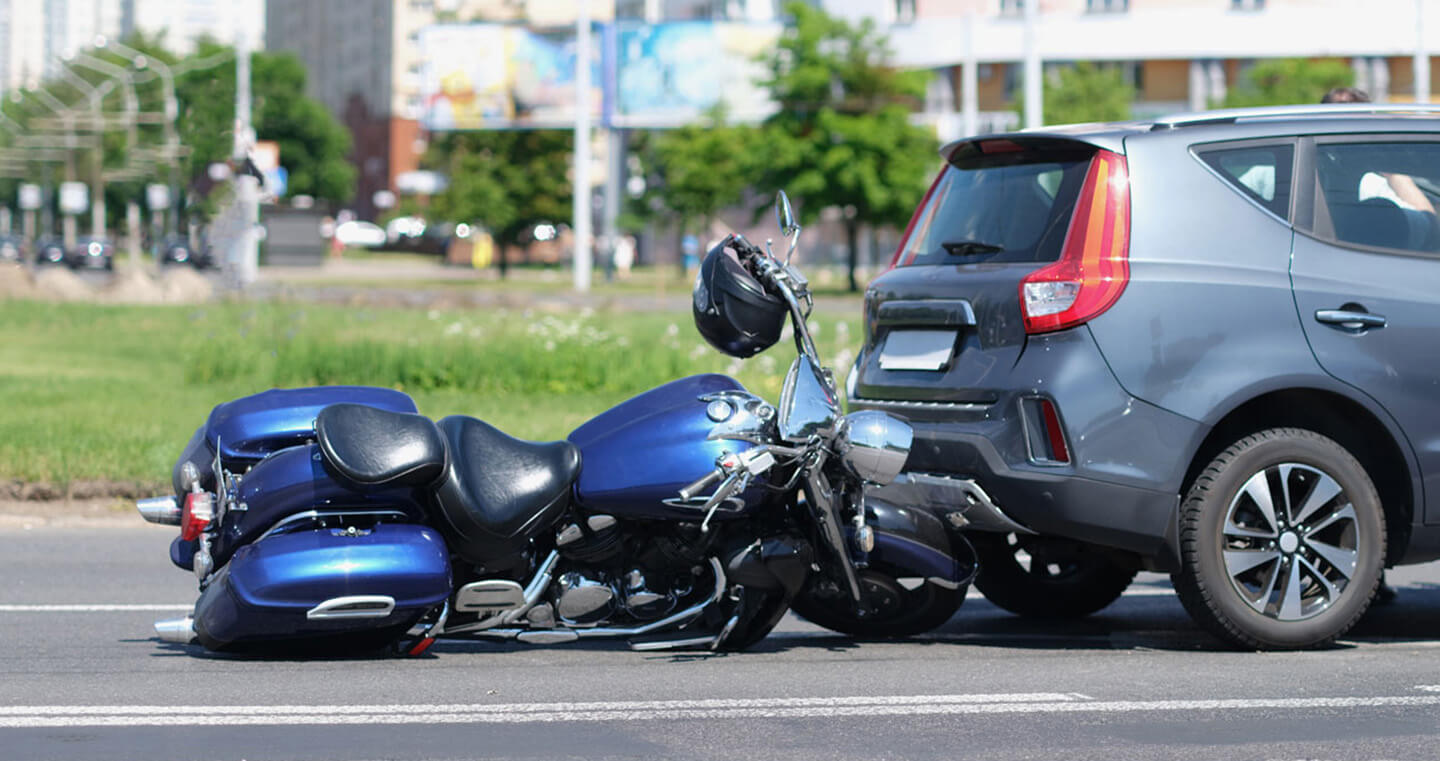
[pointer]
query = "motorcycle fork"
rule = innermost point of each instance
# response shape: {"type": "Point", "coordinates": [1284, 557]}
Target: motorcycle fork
{"type": "Point", "coordinates": [825, 507]}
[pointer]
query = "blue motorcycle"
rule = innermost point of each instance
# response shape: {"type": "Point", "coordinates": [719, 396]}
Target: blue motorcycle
{"type": "Point", "coordinates": [338, 518]}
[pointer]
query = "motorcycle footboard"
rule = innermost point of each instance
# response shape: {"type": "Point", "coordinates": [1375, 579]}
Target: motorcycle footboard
{"type": "Point", "coordinates": [313, 584]}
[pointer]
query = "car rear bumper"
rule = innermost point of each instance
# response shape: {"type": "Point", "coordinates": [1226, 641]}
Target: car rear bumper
{"type": "Point", "coordinates": [1127, 459]}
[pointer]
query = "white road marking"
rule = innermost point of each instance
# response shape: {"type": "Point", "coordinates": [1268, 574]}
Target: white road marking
{"type": "Point", "coordinates": [24, 717]}
{"type": "Point", "coordinates": [92, 608]}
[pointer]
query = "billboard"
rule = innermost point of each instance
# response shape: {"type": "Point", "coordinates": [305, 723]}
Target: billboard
{"type": "Point", "coordinates": [496, 76]}
{"type": "Point", "coordinates": [671, 74]}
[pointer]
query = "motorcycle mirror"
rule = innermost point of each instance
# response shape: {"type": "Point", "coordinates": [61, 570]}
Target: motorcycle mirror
{"type": "Point", "coordinates": [785, 215]}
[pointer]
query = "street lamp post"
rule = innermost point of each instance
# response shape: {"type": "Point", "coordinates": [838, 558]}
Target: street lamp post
{"type": "Point", "coordinates": [172, 112]}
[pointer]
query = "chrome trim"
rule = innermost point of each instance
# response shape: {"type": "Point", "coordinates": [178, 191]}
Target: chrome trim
{"type": "Point", "coordinates": [352, 606]}
{"type": "Point", "coordinates": [676, 619]}
{"type": "Point", "coordinates": [945, 494]}
{"type": "Point", "coordinates": [178, 630]}
{"type": "Point", "coordinates": [932, 406]}
{"type": "Point", "coordinates": [536, 588]}
{"type": "Point", "coordinates": [874, 445]}
{"type": "Point", "coordinates": [808, 406]}
{"type": "Point", "coordinates": [749, 419]}
{"type": "Point", "coordinates": [163, 510]}
{"type": "Point", "coordinates": [308, 515]}
{"type": "Point", "coordinates": [941, 581]}
{"type": "Point", "coordinates": [671, 644]}
{"type": "Point", "coordinates": [477, 596]}
{"type": "Point", "coordinates": [546, 636]}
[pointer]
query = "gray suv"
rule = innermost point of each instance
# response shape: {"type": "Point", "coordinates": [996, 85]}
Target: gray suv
{"type": "Point", "coordinates": [1203, 345]}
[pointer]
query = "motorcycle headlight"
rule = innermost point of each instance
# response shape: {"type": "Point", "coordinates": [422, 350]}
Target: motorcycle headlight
{"type": "Point", "coordinates": [874, 445]}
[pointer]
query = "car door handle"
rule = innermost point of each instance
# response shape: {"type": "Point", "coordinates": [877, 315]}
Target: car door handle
{"type": "Point", "coordinates": [1347, 318]}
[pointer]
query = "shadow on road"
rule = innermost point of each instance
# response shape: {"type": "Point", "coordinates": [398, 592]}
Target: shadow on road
{"type": "Point", "coordinates": [1154, 621]}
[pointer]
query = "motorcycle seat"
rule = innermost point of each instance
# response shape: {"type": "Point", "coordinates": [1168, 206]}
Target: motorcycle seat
{"type": "Point", "coordinates": [371, 446]}
{"type": "Point", "coordinates": [499, 491]}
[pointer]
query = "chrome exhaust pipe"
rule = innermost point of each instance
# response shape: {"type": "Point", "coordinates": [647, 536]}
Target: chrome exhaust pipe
{"type": "Point", "coordinates": [178, 630]}
{"type": "Point", "coordinates": [162, 510]}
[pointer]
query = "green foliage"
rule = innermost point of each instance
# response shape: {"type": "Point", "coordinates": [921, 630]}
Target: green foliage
{"type": "Point", "coordinates": [842, 135]}
{"type": "Point", "coordinates": [704, 168]}
{"type": "Point", "coordinates": [1288, 81]}
{"type": "Point", "coordinates": [314, 147]}
{"type": "Point", "coordinates": [1085, 93]}
{"type": "Point", "coordinates": [507, 181]}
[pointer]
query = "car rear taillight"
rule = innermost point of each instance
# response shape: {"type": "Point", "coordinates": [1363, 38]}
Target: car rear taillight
{"type": "Point", "coordinates": [198, 512]}
{"type": "Point", "coordinates": [1094, 264]}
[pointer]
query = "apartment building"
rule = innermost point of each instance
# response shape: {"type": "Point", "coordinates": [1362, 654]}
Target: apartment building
{"type": "Point", "coordinates": [183, 22]}
{"type": "Point", "coordinates": [35, 35]}
{"type": "Point", "coordinates": [1178, 54]}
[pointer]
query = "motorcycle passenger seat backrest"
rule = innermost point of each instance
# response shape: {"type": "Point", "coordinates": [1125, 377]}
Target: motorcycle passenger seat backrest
{"type": "Point", "coordinates": [371, 446]}
{"type": "Point", "coordinates": [498, 491]}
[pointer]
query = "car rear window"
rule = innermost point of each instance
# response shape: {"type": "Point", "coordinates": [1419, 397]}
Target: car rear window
{"type": "Point", "coordinates": [1000, 200]}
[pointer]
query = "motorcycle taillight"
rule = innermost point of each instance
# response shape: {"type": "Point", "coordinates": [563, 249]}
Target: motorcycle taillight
{"type": "Point", "coordinates": [195, 518]}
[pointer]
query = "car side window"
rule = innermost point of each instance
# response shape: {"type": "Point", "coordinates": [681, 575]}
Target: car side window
{"type": "Point", "coordinates": [1379, 194]}
{"type": "Point", "coordinates": [1261, 172]}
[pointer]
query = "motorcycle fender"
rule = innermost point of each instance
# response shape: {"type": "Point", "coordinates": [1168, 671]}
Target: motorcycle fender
{"type": "Point", "coordinates": [780, 562]}
{"type": "Point", "coordinates": [915, 541]}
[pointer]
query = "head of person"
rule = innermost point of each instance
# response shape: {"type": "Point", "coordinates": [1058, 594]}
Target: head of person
{"type": "Point", "coordinates": [1346, 95]}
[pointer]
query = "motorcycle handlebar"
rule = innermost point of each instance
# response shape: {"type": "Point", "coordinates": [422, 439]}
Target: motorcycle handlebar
{"type": "Point", "coordinates": [700, 483]}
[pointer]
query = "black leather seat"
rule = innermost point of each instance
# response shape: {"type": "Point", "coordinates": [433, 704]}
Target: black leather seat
{"type": "Point", "coordinates": [372, 446]}
{"type": "Point", "coordinates": [499, 491]}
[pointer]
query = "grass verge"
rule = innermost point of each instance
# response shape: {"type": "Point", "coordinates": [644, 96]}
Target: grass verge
{"type": "Point", "coordinates": [113, 392]}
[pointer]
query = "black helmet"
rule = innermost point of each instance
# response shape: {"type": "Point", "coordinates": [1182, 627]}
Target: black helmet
{"type": "Point", "coordinates": [732, 309]}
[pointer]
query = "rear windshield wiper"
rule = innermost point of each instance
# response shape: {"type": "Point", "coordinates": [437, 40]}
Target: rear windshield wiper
{"type": "Point", "coordinates": [967, 247]}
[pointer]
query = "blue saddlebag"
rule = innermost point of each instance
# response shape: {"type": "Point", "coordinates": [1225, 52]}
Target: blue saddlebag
{"type": "Point", "coordinates": [314, 583]}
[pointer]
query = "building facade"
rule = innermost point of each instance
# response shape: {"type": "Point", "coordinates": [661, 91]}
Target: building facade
{"type": "Point", "coordinates": [183, 22]}
{"type": "Point", "coordinates": [36, 35]}
{"type": "Point", "coordinates": [1178, 54]}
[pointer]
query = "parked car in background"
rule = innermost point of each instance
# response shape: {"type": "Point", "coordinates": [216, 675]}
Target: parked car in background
{"type": "Point", "coordinates": [49, 251]}
{"type": "Point", "coordinates": [360, 234]}
{"type": "Point", "coordinates": [12, 249]}
{"type": "Point", "coordinates": [91, 252]}
{"type": "Point", "coordinates": [1203, 344]}
{"type": "Point", "coordinates": [177, 249]}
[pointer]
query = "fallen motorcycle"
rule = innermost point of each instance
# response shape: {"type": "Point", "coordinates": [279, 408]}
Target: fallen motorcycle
{"type": "Point", "coordinates": [339, 518]}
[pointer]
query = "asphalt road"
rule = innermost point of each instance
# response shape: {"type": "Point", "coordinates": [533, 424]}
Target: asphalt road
{"type": "Point", "coordinates": [83, 678]}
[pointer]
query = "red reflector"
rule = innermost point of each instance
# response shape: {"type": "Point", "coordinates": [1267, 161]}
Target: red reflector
{"type": "Point", "coordinates": [196, 517]}
{"type": "Point", "coordinates": [1058, 451]}
{"type": "Point", "coordinates": [1094, 264]}
{"type": "Point", "coordinates": [421, 646]}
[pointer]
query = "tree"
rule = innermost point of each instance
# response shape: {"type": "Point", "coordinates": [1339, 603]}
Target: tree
{"type": "Point", "coordinates": [1288, 81]}
{"type": "Point", "coordinates": [841, 136]}
{"type": "Point", "coordinates": [314, 147]}
{"type": "Point", "coordinates": [704, 168]}
{"type": "Point", "coordinates": [1084, 93]}
{"type": "Point", "coordinates": [506, 180]}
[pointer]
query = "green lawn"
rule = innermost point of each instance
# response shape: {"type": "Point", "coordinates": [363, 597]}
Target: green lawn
{"type": "Point", "coordinates": [113, 392]}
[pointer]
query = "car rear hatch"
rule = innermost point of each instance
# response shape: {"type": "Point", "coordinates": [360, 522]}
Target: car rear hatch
{"type": "Point", "coordinates": [1016, 233]}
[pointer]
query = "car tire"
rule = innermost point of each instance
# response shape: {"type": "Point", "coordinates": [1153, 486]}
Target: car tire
{"type": "Point", "coordinates": [1063, 579]}
{"type": "Point", "coordinates": [1282, 542]}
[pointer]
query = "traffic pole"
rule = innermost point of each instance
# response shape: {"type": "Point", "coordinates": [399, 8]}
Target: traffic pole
{"type": "Point", "coordinates": [581, 210]}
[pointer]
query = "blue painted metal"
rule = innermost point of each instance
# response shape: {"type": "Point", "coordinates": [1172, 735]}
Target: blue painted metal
{"type": "Point", "coordinates": [644, 450]}
{"type": "Point", "coordinates": [266, 589]}
{"type": "Point", "coordinates": [253, 426]}
{"type": "Point", "coordinates": [297, 479]}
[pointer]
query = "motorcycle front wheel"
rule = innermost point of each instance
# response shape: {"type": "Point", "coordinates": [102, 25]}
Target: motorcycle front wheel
{"type": "Point", "coordinates": [894, 606]}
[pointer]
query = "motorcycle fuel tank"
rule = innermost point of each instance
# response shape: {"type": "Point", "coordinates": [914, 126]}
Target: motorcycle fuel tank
{"type": "Point", "coordinates": [638, 455]}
